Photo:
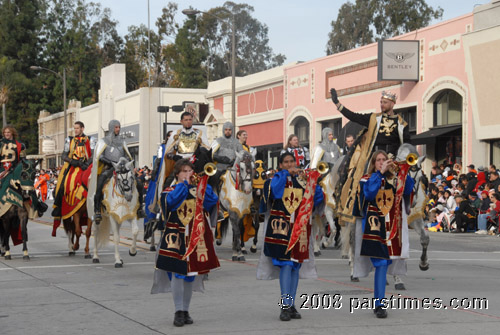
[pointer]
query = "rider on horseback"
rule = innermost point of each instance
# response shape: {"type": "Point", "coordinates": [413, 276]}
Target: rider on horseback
{"type": "Point", "coordinates": [224, 149]}
{"type": "Point", "coordinates": [109, 150]}
{"type": "Point", "coordinates": [77, 157]}
{"type": "Point", "coordinates": [11, 154]}
{"type": "Point", "coordinates": [327, 150]}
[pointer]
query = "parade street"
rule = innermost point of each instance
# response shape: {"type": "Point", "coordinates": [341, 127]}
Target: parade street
{"type": "Point", "coordinates": [56, 294]}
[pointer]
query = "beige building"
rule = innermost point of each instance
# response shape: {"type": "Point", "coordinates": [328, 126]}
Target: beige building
{"type": "Point", "coordinates": [143, 127]}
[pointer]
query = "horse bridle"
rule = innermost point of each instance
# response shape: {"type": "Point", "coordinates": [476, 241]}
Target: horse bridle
{"type": "Point", "coordinates": [123, 182]}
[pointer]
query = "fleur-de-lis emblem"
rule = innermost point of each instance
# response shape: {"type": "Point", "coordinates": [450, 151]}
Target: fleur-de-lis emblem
{"type": "Point", "coordinates": [185, 212]}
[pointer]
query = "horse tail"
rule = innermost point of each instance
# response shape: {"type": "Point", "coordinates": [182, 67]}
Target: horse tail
{"type": "Point", "coordinates": [345, 237]}
{"type": "Point", "coordinates": [103, 233]}
{"type": "Point", "coordinates": [69, 226]}
{"type": "Point", "coordinates": [224, 226]}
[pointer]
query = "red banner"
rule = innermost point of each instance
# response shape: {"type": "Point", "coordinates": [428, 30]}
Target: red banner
{"type": "Point", "coordinates": [305, 208]}
{"type": "Point", "coordinates": [395, 213]}
{"type": "Point", "coordinates": [198, 224]}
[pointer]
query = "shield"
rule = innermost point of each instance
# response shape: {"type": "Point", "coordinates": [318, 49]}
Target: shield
{"type": "Point", "coordinates": [384, 200]}
{"type": "Point", "coordinates": [292, 198]}
{"type": "Point", "coordinates": [185, 212]}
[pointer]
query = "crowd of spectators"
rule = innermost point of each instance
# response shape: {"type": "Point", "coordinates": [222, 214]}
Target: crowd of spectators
{"type": "Point", "coordinates": [464, 202]}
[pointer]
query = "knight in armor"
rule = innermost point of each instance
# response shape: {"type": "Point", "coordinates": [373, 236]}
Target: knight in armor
{"type": "Point", "coordinates": [327, 150]}
{"type": "Point", "coordinates": [184, 142]}
{"type": "Point", "coordinates": [11, 154]}
{"type": "Point", "coordinates": [301, 154]}
{"type": "Point", "coordinates": [70, 194]}
{"type": "Point", "coordinates": [181, 144]}
{"type": "Point", "coordinates": [287, 249]}
{"type": "Point", "coordinates": [110, 149]}
{"type": "Point", "coordinates": [224, 148]}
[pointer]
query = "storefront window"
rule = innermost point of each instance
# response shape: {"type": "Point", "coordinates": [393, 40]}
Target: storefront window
{"type": "Point", "coordinates": [448, 108]}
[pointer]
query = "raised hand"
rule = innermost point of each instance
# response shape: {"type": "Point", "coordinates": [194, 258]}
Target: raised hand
{"type": "Point", "coordinates": [335, 97]}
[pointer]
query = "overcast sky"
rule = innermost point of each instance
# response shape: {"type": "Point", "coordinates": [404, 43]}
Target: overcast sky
{"type": "Point", "coordinates": [297, 28]}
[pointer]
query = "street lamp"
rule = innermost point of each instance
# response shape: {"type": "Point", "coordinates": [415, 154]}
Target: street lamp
{"type": "Point", "coordinates": [233, 57]}
{"type": "Point", "coordinates": [63, 78]}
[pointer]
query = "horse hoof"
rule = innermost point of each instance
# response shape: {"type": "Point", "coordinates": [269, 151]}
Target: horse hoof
{"type": "Point", "coordinates": [118, 265]}
{"type": "Point", "coordinates": [317, 253]}
{"type": "Point", "coordinates": [132, 254]}
{"type": "Point", "coordinates": [323, 246]}
{"type": "Point", "coordinates": [218, 241]}
{"type": "Point", "coordinates": [424, 268]}
{"type": "Point", "coordinates": [354, 279]}
{"type": "Point", "coordinates": [71, 253]}
{"type": "Point", "coordinates": [8, 257]}
{"type": "Point", "coordinates": [234, 258]}
{"type": "Point", "coordinates": [241, 258]}
{"type": "Point", "coordinates": [95, 260]}
{"type": "Point", "coordinates": [253, 250]}
{"type": "Point", "coordinates": [244, 252]}
{"type": "Point", "coordinates": [400, 286]}
{"type": "Point", "coordinates": [88, 256]}
{"type": "Point", "coordinates": [26, 258]}
{"type": "Point", "coordinates": [152, 248]}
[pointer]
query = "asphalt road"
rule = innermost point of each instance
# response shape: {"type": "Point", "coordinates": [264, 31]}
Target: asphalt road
{"type": "Point", "coordinates": [54, 293]}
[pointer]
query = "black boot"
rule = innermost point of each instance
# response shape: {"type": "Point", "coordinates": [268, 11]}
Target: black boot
{"type": "Point", "coordinates": [294, 314]}
{"type": "Point", "coordinates": [179, 319]}
{"type": "Point", "coordinates": [285, 314]}
{"type": "Point", "coordinates": [187, 318]}
{"type": "Point", "coordinates": [380, 312]}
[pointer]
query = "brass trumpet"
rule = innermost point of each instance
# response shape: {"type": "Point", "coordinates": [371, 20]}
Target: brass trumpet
{"type": "Point", "coordinates": [323, 167]}
{"type": "Point", "coordinates": [411, 160]}
{"type": "Point", "coordinates": [209, 169]}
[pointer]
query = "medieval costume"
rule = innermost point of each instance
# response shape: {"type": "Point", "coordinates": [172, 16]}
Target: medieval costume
{"type": "Point", "coordinates": [72, 183]}
{"type": "Point", "coordinates": [383, 132]}
{"type": "Point", "coordinates": [327, 150]}
{"type": "Point", "coordinates": [12, 153]}
{"type": "Point", "coordinates": [224, 150]}
{"type": "Point", "coordinates": [109, 150]}
{"type": "Point", "coordinates": [288, 204]}
{"type": "Point", "coordinates": [186, 250]}
{"type": "Point", "coordinates": [382, 236]}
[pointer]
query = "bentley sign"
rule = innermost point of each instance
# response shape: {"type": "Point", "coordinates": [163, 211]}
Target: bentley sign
{"type": "Point", "coordinates": [398, 60]}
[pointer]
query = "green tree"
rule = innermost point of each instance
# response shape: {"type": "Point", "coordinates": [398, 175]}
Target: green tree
{"type": "Point", "coordinates": [9, 80]}
{"type": "Point", "coordinates": [253, 53]}
{"type": "Point", "coordinates": [142, 64]}
{"type": "Point", "coordinates": [367, 21]}
{"type": "Point", "coordinates": [186, 57]}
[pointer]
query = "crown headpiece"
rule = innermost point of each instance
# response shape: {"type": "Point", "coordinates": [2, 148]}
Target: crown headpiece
{"type": "Point", "coordinates": [389, 95]}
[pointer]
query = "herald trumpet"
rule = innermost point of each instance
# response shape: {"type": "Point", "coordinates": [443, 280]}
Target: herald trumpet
{"type": "Point", "coordinates": [412, 159]}
{"type": "Point", "coordinates": [323, 167]}
{"type": "Point", "coordinates": [210, 169]}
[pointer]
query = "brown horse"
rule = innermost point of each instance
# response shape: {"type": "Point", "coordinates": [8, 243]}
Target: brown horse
{"type": "Point", "coordinates": [73, 228]}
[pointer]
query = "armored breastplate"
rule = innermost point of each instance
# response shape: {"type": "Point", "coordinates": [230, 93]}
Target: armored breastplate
{"type": "Point", "coordinates": [187, 143]}
{"type": "Point", "coordinates": [114, 153]}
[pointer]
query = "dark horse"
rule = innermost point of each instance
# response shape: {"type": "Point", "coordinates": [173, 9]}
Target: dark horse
{"type": "Point", "coordinates": [14, 221]}
{"type": "Point", "coordinates": [73, 225]}
{"type": "Point", "coordinates": [200, 157]}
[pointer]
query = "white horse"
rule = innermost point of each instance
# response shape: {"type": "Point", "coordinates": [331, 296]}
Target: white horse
{"type": "Point", "coordinates": [329, 186]}
{"type": "Point", "coordinates": [415, 220]}
{"type": "Point", "coordinates": [236, 197]}
{"type": "Point", "coordinates": [120, 204]}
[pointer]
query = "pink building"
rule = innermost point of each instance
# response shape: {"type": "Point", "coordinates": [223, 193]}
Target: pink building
{"type": "Point", "coordinates": [451, 110]}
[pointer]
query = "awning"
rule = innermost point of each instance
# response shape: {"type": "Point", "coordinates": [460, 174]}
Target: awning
{"type": "Point", "coordinates": [429, 136]}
